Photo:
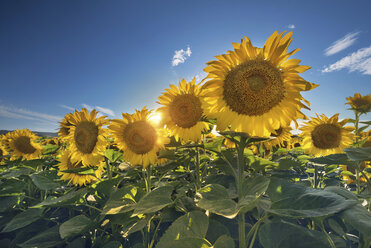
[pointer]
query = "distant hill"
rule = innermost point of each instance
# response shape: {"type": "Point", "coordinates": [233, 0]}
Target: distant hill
{"type": "Point", "coordinates": [42, 134]}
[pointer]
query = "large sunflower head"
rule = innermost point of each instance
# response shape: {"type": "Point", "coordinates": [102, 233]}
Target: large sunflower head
{"type": "Point", "coordinates": [360, 103]}
{"type": "Point", "coordinates": [77, 179]}
{"type": "Point", "coordinates": [138, 137]}
{"type": "Point", "coordinates": [64, 126]}
{"type": "Point", "coordinates": [183, 107]}
{"type": "Point", "coordinates": [87, 137]}
{"type": "Point", "coordinates": [325, 136]}
{"type": "Point", "coordinates": [280, 137]}
{"type": "Point", "coordinates": [256, 90]}
{"type": "Point", "coordinates": [22, 143]}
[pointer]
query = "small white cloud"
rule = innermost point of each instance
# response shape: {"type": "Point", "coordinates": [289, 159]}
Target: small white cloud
{"type": "Point", "coordinates": [67, 107]}
{"type": "Point", "coordinates": [357, 61]}
{"type": "Point", "coordinates": [180, 56]}
{"type": "Point", "coordinates": [292, 26]}
{"type": "Point", "coordinates": [105, 110]}
{"type": "Point", "coordinates": [101, 109]}
{"type": "Point", "coordinates": [342, 44]}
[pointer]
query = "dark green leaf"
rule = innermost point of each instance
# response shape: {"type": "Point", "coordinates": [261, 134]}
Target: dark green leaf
{"type": "Point", "coordinates": [358, 153]}
{"type": "Point", "coordinates": [215, 146]}
{"type": "Point", "coordinates": [48, 238]}
{"type": "Point", "coordinates": [113, 244]}
{"type": "Point", "coordinates": [154, 200]}
{"type": "Point", "coordinates": [74, 226]}
{"type": "Point", "coordinates": [46, 180]}
{"type": "Point", "coordinates": [7, 202]}
{"type": "Point", "coordinates": [62, 200]}
{"type": "Point", "coordinates": [50, 149]}
{"type": "Point", "coordinates": [285, 234]}
{"type": "Point", "coordinates": [215, 198]}
{"type": "Point", "coordinates": [16, 172]}
{"type": "Point", "coordinates": [185, 243]}
{"type": "Point", "coordinates": [359, 218]}
{"type": "Point", "coordinates": [121, 200]}
{"type": "Point", "coordinates": [339, 159]}
{"type": "Point", "coordinates": [297, 201]}
{"type": "Point", "coordinates": [224, 242]}
{"type": "Point", "coordinates": [191, 225]}
{"type": "Point", "coordinates": [23, 219]}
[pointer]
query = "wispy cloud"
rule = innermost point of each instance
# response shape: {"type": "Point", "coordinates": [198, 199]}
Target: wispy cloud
{"type": "Point", "coordinates": [342, 43]}
{"type": "Point", "coordinates": [291, 26]}
{"type": "Point", "coordinates": [105, 111]}
{"type": "Point", "coordinates": [180, 56]}
{"type": "Point", "coordinates": [357, 61]}
{"type": "Point", "coordinates": [67, 107]}
{"type": "Point", "coordinates": [99, 108]}
{"type": "Point", "coordinates": [20, 113]}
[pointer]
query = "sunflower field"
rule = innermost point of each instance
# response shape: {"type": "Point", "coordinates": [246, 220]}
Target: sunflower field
{"type": "Point", "coordinates": [216, 165]}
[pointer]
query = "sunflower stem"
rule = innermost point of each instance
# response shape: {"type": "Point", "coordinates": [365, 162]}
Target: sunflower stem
{"type": "Point", "coordinates": [315, 176]}
{"type": "Point", "coordinates": [358, 179]}
{"type": "Point", "coordinates": [108, 165]}
{"type": "Point", "coordinates": [198, 178]}
{"type": "Point", "coordinates": [148, 178]}
{"type": "Point", "coordinates": [241, 167]}
{"type": "Point", "coordinates": [332, 244]}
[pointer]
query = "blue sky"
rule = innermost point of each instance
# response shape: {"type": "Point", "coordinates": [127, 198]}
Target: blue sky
{"type": "Point", "coordinates": [120, 55]}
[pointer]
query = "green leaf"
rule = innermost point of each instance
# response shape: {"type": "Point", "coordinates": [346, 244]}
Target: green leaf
{"type": "Point", "coordinates": [113, 155]}
{"type": "Point", "coordinates": [358, 153]}
{"type": "Point", "coordinates": [342, 192]}
{"type": "Point", "coordinates": [74, 226]}
{"type": "Point", "coordinates": [224, 242]}
{"type": "Point", "coordinates": [46, 180]}
{"type": "Point", "coordinates": [113, 244]}
{"type": "Point", "coordinates": [169, 154]}
{"type": "Point", "coordinates": [121, 201]}
{"type": "Point", "coordinates": [23, 219]}
{"type": "Point", "coordinates": [297, 201]}
{"type": "Point", "coordinates": [16, 172]}
{"type": "Point", "coordinates": [82, 170]}
{"type": "Point", "coordinates": [186, 243]}
{"type": "Point", "coordinates": [48, 238]}
{"type": "Point", "coordinates": [252, 189]}
{"type": "Point", "coordinates": [192, 225]}
{"type": "Point", "coordinates": [7, 202]}
{"type": "Point", "coordinates": [154, 201]}
{"type": "Point", "coordinates": [284, 234]}
{"type": "Point", "coordinates": [50, 149]}
{"type": "Point", "coordinates": [215, 146]}
{"type": "Point", "coordinates": [359, 218]}
{"type": "Point", "coordinates": [215, 198]}
{"type": "Point", "coordinates": [215, 230]}
{"type": "Point", "coordinates": [62, 200]}
{"type": "Point", "coordinates": [33, 163]}
{"type": "Point", "coordinates": [287, 163]}
{"type": "Point", "coordinates": [339, 159]}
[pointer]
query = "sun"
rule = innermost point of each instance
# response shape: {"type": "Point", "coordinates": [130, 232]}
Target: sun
{"type": "Point", "coordinates": [75, 178]}
{"type": "Point", "coordinates": [138, 138]}
{"type": "Point", "coordinates": [182, 110]}
{"type": "Point", "coordinates": [256, 90]}
{"type": "Point", "coordinates": [21, 144]}
{"type": "Point", "coordinates": [87, 137]}
{"type": "Point", "coordinates": [323, 136]}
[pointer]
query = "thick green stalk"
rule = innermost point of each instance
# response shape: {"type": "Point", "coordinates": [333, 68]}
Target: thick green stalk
{"type": "Point", "coordinates": [108, 169]}
{"type": "Point", "coordinates": [241, 167]}
{"type": "Point", "coordinates": [315, 176]}
{"type": "Point", "coordinates": [358, 179]}
{"type": "Point", "coordinates": [198, 178]}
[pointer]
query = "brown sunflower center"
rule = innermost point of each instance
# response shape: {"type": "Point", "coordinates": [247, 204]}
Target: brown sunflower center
{"type": "Point", "coordinates": [72, 166]}
{"type": "Point", "coordinates": [185, 110]}
{"type": "Point", "coordinates": [140, 137]}
{"type": "Point", "coordinates": [86, 136]}
{"type": "Point", "coordinates": [326, 136]}
{"type": "Point", "coordinates": [23, 144]}
{"type": "Point", "coordinates": [253, 88]}
{"type": "Point", "coordinates": [359, 103]}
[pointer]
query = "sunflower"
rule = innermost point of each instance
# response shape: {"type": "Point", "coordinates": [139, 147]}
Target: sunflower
{"type": "Point", "coordinates": [65, 125]}
{"type": "Point", "coordinates": [294, 142]}
{"type": "Point", "coordinates": [138, 137]}
{"type": "Point", "coordinates": [3, 153]}
{"type": "Point", "coordinates": [75, 178]}
{"type": "Point", "coordinates": [256, 90]}
{"type": "Point", "coordinates": [352, 179]}
{"type": "Point", "coordinates": [281, 136]}
{"type": "Point", "coordinates": [22, 143]}
{"type": "Point", "coordinates": [87, 137]}
{"type": "Point", "coordinates": [325, 136]}
{"type": "Point", "coordinates": [183, 107]}
{"type": "Point", "coordinates": [360, 103]}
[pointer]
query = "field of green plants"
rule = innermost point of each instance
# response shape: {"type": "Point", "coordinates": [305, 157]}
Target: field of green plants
{"type": "Point", "coordinates": [215, 166]}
